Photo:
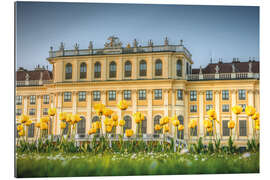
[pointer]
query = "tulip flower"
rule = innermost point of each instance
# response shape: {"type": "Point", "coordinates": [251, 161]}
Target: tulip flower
{"type": "Point", "coordinates": [193, 123]}
{"type": "Point", "coordinates": [129, 132]}
{"type": "Point", "coordinates": [28, 123]}
{"type": "Point", "coordinates": [68, 117]}
{"type": "Point", "coordinates": [45, 119]}
{"type": "Point", "coordinates": [62, 116]}
{"type": "Point", "coordinates": [209, 129]}
{"type": "Point", "coordinates": [122, 105]}
{"type": "Point", "coordinates": [109, 129]}
{"type": "Point", "coordinates": [138, 117]}
{"type": "Point", "coordinates": [37, 125]}
{"type": "Point", "coordinates": [181, 127]}
{"type": "Point", "coordinates": [24, 118]}
{"type": "Point", "coordinates": [166, 128]}
{"type": "Point", "coordinates": [175, 122]}
{"type": "Point", "coordinates": [115, 123]}
{"type": "Point", "coordinates": [166, 119]}
{"type": "Point", "coordinates": [231, 124]}
{"type": "Point", "coordinates": [256, 116]}
{"type": "Point", "coordinates": [20, 127]}
{"type": "Point", "coordinates": [237, 109]}
{"type": "Point", "coordinates": [211, 113]}
{"type": "Point", "coordinates": [107, 112]}
{"type": "Point", "coordinates": [161, 121]}
{"type": "Point", "coordinates": [99, 108]}
{"type": "Point", "coordinates": [63, 125]}
{"type": "Point", "coordinates": [250, 111]}
{"type": "Point", "coordinates": [43, 126]}
{"type": "Point", "coordinates": [114, 117]}
{"type": "Point", "coordinates": [208, 124]}
{"type": "Point", "coordinates": [21, 133]}
{"type": "Point", "coordinates": [122, 122]}
{"type": "Point", "coordinates": [52, 111]}
{"type": "Point", "coordinates": [157, 127]}
{"type": "Point", "coordinates": [75, 118]}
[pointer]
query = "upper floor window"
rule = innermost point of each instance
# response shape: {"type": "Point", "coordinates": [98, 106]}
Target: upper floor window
{"type": "Point", "coordinates": [32, 99]}
{"type": "Point", "coordinates": [112, 69]}
{"type": "Point", "coordinates": [127, 94]}
{"type": "Point", "coordinates": [128, 69]}
{"type": "Point", "coordinates": [82, 96]}
{"type": "Point", "coordinates": [143, 68]}
{"type": "Point", "coordinates": [242, 128]}
{"type": "Point", "coordinates": [142, 94]}
{"type": "Point", "coordinates": [208, 107]}
{"type": "Point", "coordinates": [158, 93]}
{"type": "Point", "coordinates": [112, 95]}
{"type": "Point", "coordinates": [32, 112]}
{"type": "Point", "coordinates": [67, 96]}
{"type": "Point", "coordinates": [242, 94]}
{"type": "Point", "coordinates": [83, 70]}
{"type": "Point", "coordinates": [18, 112]}
{"type": "Point", "coordinates": [193, 108]}
{"type": "Point", "coordinates": [18, 100]}
{"type": "Point", "coordinates": [96, 95]}
{"type": "Point", "coordinates": [68, 71]}
{"type": "Point", "coordinates": [97, 70]}
{"type": "Point", "coordinates": [179, 68]}
{"type": "Point", "coordinates": [243, 107]}
{"type": "Point", "coordinates": [225, 129]}
{"type": "Point", "coordinates": [225, 108]}
{"type": "Point", "coordinates": [193, 95]}
{"type": "Point", "coordinates": [46, 99]}
{"type": "Point", "coordinates": [45, 111]}
{"type": "Point", "coordinates": [225, 94]}
{"type": "Point", "coordinates": [209, 95]}
{"type": "Point", "coordinates": [158, 68]}
{"type": "Point", "coordinates": [179, 94]}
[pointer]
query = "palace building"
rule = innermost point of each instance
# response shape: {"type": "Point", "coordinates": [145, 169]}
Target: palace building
{"type": "Point", "coordinates": [157, 80]}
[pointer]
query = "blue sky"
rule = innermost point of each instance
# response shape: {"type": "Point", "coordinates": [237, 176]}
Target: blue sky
{"type": "Point", "coordinates": [218, 31]}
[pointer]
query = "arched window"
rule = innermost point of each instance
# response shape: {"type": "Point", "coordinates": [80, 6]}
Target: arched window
{"type": "Point", "coordinates": [128, 69]}
{"type": "Point", "coordinates": [68, 71]}
{"type": "Point", "coordinates": [156, 121]}
{"type": "Point", "coordinates": [158, 68]}
{"type": "Point", "coordinates": [180, 134]}
{"type": "Point", "coordinates": [144, 125]}
{"type": "Point", "coordinates": [128, 122]}
{"type": "Point", "coordinates": [112, 69]}
{"type": "Point", "coordinates": [81, 126]}
{"type": "Point", "coordinates": [95, 119]}
{"type": "Point", "coordinates": [143, 68]}
{"type": "Point", "coordinates": [179, 68]}
{"type": "Point", "coordinates": [97, 70]}
{"type": "Point", "coordinates": [83, 70]}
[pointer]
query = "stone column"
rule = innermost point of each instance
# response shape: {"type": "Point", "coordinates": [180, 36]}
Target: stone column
{"type": "Point", "coordinates": [90, 70]}
{"type": "Point", "coordinates": [186, 119]}
{"type": "Point", "coordinates": [201, 114]}
{"type": "Point", "coordinates": [173, 102]}
{"type": "Point", "coordinates": [25, 101]}
{"type": "Point", "coordinates": [88, 110]}
{"type": "Point", "coordinates": [250, 122]}
{"type": "Point", "coordinates": [134, 107]}
{"type": "Point", "coordinates": [217, 109]}
{"type": "Point", "coordinates": [74, 102]}
{"type": "Point", "coordinates": [103, 97]}
{"type": "Point", "coordinates": [119, 69]}
{"type": "Point", "coordinates": [58, 110]}
{"type": "Point", "coordinates": [166, 102]}
{"type": "Point", "coordinates": [233, 92]}
{"type": "Point", "coordinates": [119, 98]}
{"type": "Point", "coordinates": [150, 122]}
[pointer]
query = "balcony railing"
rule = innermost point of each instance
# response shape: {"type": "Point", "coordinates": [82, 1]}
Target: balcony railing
{"type": "Point", "coordinates": [222, 76]}
{"type": "Point", "coordinates": [33, 83]}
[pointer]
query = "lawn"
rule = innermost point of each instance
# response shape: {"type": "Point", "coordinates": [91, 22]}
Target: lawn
{"type": "Point", "coordinates": [59, 164]}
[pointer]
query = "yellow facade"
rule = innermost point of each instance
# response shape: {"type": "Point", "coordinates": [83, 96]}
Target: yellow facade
{"type": "Point", "coordinates": [168, 83]}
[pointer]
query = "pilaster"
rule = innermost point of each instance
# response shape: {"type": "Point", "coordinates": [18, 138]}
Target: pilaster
{"type": "Point", "coordinates": [89, 110]}
{"type": "Point", "coordinates": [233, 92]}
{"type": "Point", "coordinates": [217, 109]}
{"type": "Point", "coordinates": [201, 116]}
{"type": "Point", "coordinates": [150, 122]}
{"type": "Point", "coordinates": [134, 107]}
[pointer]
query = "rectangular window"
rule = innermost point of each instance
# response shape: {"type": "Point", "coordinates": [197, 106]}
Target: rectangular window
{"type": "Point", "coordinates": [46, 99]}
{"type": "Point", "coordinates": [193, 108]}
{"type": "Point", "coordinates": [112, 95]}
{"type": "Point", "coordinates": [82, 96]}
{"type": "Point", "coordinates": [31, 130]}
{"type": "Point", "coordinates": [32, 99]}
{"type": "Point", "coordinates": [242, 128]}
{"type": "Point", "coordinates": [18, 100]}
{"type": "Point", "coordinates": [243, 107]}
{"type": "Point", "coordinates": [18, 112]}
{"type": "Point", "coordinates": [208, 107]}
{"type": "Point", "coordinates": [209, 95]}
{"type": "Point", "coordinates": [142, 94]}
{"type": "Point", "coordinates": [158, 94]}
{"type": "Point", "coordinates": [225, 108]}
{"type": "Point", "coordinates": [179, 94]}
{"type": "Point", "coordinates": [242, 94]}
{"type": "Point", "coordinates": [225, 94]}
{"type": "Point", "coordinates": [45, 111]}
{"type": "Point", "coordinates": [67, 96]}
{"type": "Point", "coordinates": [193, 131]}
{"type": "Point", "coordinates": [127, 94]}
{"type": "Point", "coordinates": [96, 95]}
{"type": "Point", "coordinates": [32, 112]}
{"type": "Point", "coordinates": [225, 129]}
{"type": "Point", "coordinates": [193, 95]}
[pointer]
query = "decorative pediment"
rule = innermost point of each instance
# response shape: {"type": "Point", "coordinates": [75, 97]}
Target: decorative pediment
{"type": "Point", "coordinates": [113, 42]}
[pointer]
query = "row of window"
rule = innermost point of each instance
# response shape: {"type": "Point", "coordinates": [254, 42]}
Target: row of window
{"type": "Point", "coordinates": [225, 95]}
{"type": "Point", "coordinates": [225, 107]}
{"type": "Point", "coordinates": [46, 99]}
{"type": "Point", "coordinates": [127, 69]}
{"type": "Point", "coordinates": [32, 112]}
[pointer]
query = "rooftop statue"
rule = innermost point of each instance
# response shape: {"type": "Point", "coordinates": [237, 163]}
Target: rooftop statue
{"type": "Point", "coordinates": [114, 42]}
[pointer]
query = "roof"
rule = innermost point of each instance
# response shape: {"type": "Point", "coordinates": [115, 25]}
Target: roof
{"type": "Point", "coordinates": [227, 67]}
{"type": "Point", "coordinates": [33, 75]}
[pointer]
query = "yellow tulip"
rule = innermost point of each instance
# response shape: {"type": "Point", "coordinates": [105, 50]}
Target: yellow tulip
{"type": "Point", "coordinates": [89, 131]}
{"type": "Point", "coordinates": [166, 119]}
{"type": "Point", "coordinates": [250, 111]}
{"type": "Point", "coordinates": [114, 117]}
{"type": "Point", "coordinates": [157, 127]}
{"type": "Point", "coordinates": [62, 116]}
{"type": "Point", "coordinates": [237, 109]}
{"type": "Point", "coordinates": [43, 126]}
{"type": "Point", "coordinates": [96, 125]}
{"type": "Point", "coordinates": [63, 125]}
{"type": "Point", "coordinates": [37, 125]}
{"type": "Point", "coordinates": [75, 118]}
{"type": "Point", "coordinates": [175, 122]}
{"type": "Point", "coordinates": [208, 124]}
{"type": "Point", "coordinates": [115, 123]}
{"type": "Point", "coordinates": [99, 108]}
{"type": "Point", "coordinates": [129, 132]}
{"type": "Point", "coordinates": [52, 111]}
{"type": "Point", "coordinates": [166, 128]}
{"type": "Point", "coordinates": [192, 124]}
{"type": "Point", "coordinates": [209, 129]}
{"type": "Point", "coordinates": [106, 121]}
{"type": "Point", "coordinates": [20, 127]}
{"type": "Point", "coordinates": [28, 123]}
{"type": "Point", "coordinates": [122, 105]}
{"type": "Point", "coordinates": [109, 129]}
{"type": "Point", "coordinates": [45, 119]}
{"type": "Point", "coordinates": [231, 124]}
{"type": "Point", "coordinates": [181, 127]}
{"type": "Point", "coordinates": [211, 113]}
{"type": "Point", "coordinates": [107, 112]}
{"type": "Point", "coordinates": [138, 117]}
{"type": "Point", "coordinates": [122, 122]}
{"type": "Point", "coordinates": [161, 121]}
{"type": "Point", "coordinates": [68, 117]}
{"type": "Point", "coordinates": [21, 133]}
{"type": "Point", "coordinates": [174, 118]}
{"type": "Point", "coordinates": [257, 122]}
{"type": "Point", "coordinates": [257, 127]}
{"type": "Point", "coordinates": [24, 118]}
{"type": "Point", "coordinates": [256, 116]}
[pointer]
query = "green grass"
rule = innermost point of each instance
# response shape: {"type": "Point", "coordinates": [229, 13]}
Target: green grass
{"type": "Point", "coordinates": [120, 164]}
